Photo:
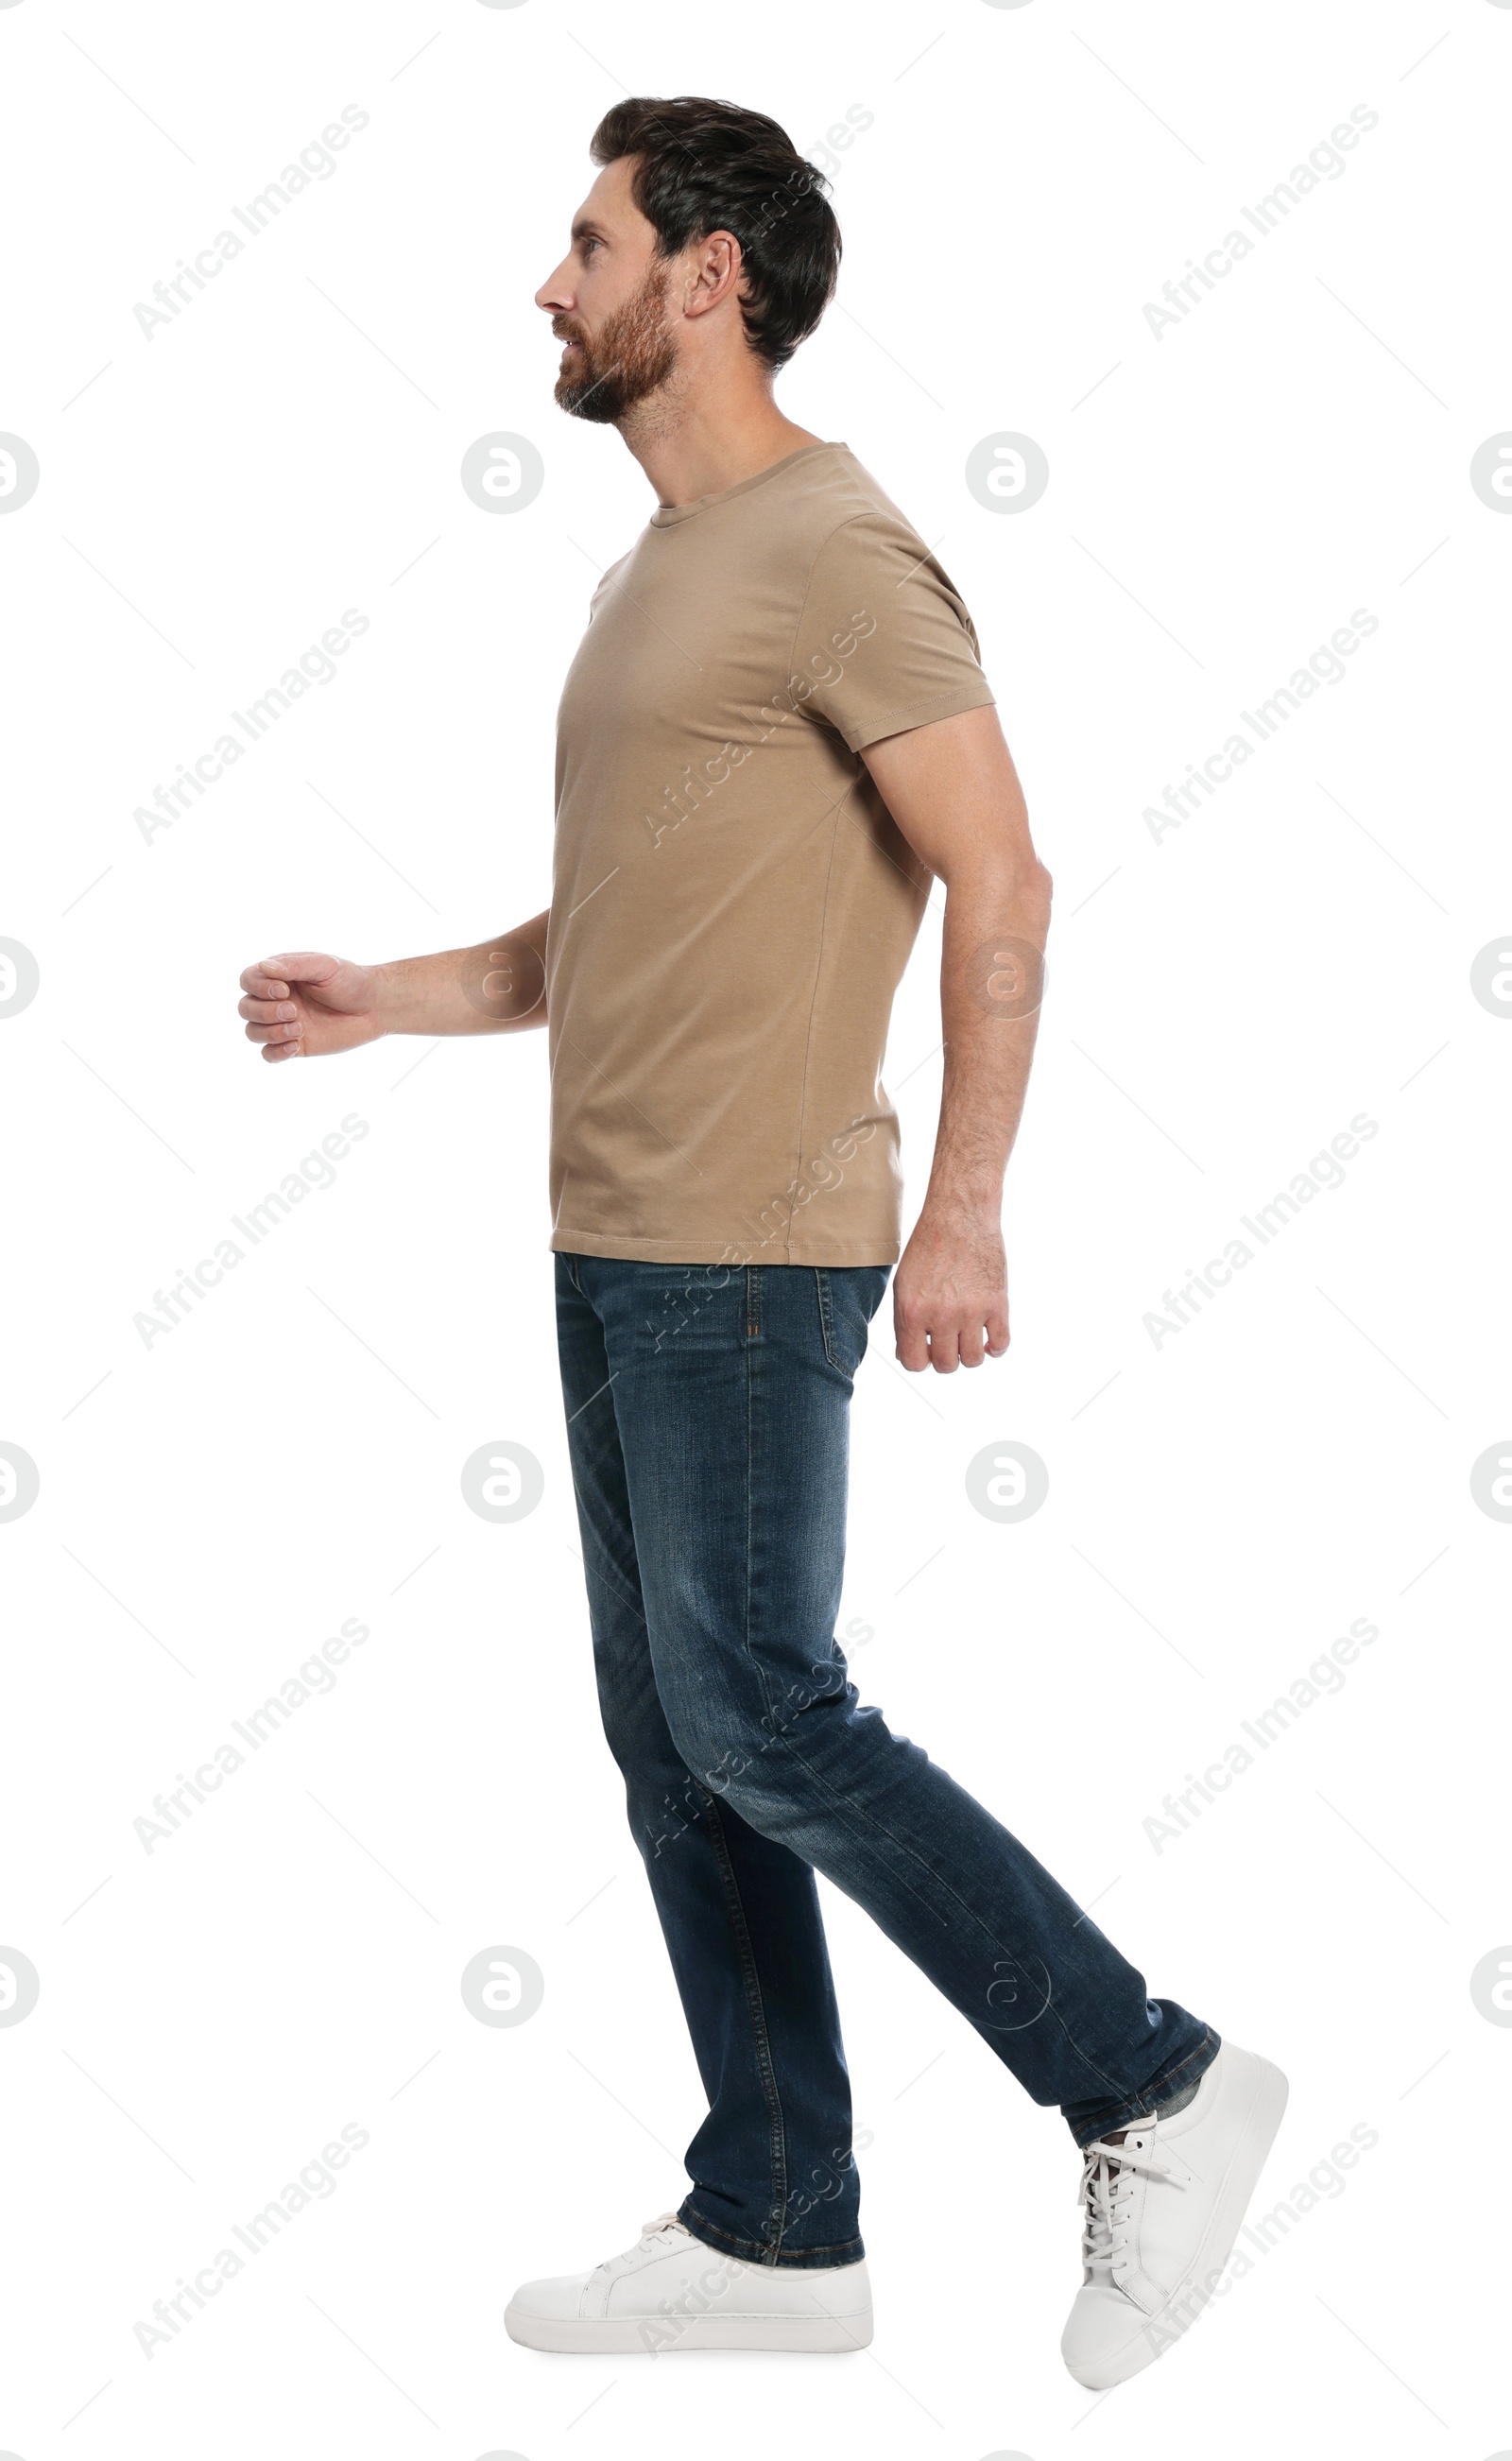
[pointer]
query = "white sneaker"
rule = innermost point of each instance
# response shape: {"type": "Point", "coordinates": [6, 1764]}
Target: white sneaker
{"type": "Point", "coordinates": [1160, 2215]}
{"type": "Point", "coordinates": [673, 2292]}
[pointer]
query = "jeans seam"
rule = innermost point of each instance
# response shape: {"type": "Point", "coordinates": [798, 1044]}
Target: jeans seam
{"type": "Point", "coordinates": [779, 2146]}
{"type": "Point", "coordinates": [827, 1313]}
{"type": "Point", "coordinates": [776, 2138]}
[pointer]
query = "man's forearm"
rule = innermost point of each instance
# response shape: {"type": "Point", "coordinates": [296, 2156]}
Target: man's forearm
{"type": "Point", "coordinates": [954, 793]}
{"type": "Point", "coordinates": [991, 979]}
{"type": "Point", "coordinates": [496, 988]}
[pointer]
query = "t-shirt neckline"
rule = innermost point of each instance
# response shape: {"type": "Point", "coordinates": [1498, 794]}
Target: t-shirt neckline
{"type": "Point", "coordinates": [666, 515]}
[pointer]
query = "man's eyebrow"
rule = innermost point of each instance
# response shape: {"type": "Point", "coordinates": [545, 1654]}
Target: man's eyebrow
{"type": "Point", "coordinates": [586, 227]}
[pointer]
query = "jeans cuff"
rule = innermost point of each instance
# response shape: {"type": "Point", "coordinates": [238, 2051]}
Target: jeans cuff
{"type": "Point", "coordinates": [808, 2260]}
{"type": "Point", "coordinates": [1147, 2104]}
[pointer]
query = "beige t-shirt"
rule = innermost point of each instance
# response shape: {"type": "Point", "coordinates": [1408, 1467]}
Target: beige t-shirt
{"type": "Point", "coordinates": [732, 903]}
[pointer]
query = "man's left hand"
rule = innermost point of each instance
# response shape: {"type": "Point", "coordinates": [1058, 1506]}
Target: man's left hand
{"type": "Point", "coordinates": [950, 1294]}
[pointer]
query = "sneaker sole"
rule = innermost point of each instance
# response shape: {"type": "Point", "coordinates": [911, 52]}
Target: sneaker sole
{"type": "Point", "coordinates": [661, 2335]}
{"type": "Point", "coordinates": [1269, 2101]}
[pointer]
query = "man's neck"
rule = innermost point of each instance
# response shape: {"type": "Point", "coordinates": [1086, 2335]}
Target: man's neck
{"type": "Point", "coordinates": [689, 451]}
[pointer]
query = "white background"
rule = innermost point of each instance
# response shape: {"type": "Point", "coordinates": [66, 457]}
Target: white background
{"type": "Point", "coordinates": [1222, 1001]}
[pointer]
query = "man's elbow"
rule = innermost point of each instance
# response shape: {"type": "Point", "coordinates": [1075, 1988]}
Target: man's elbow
{"type": "Point", "coordinates": [1034, 893]}
{"type": "Point", "coordinates": [1002, 878]}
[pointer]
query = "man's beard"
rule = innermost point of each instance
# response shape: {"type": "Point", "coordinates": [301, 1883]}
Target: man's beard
{"type": "Point", "coordinates": [632, 356]}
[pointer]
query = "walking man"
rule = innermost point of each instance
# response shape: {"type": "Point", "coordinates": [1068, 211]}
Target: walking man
{"type": "Point", "coordinates": [775, 735]}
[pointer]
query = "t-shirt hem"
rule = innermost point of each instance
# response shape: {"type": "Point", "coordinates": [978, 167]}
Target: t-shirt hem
{"type": "Point", "coordinates": [921, 712]}
{"type": "Point", "coordinates": [729, 1252]}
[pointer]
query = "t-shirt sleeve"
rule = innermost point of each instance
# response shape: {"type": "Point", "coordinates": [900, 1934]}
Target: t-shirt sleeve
{"type": "Point", "coordinates": [885, 641]}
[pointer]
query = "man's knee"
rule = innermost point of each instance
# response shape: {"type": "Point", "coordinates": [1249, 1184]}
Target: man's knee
{"type": "Point", "coordinates": [636, 1731]}
{"type": "Point", "coordinates": [717, 1758]}
{"type": "Point", "coordinates": [745, 1754]}
{"type": "Point", "coordinates": [720, 1737]}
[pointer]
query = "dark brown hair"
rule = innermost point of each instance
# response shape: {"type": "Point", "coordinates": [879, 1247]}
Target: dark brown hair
{"type": "Point", "coordinates": [704, 167]}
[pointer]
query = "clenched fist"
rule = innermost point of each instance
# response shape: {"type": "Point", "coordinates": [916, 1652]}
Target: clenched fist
{"type": "Point", "coordinates": [300, 1006]}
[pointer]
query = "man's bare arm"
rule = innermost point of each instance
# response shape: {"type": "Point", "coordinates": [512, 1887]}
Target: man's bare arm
{"type": "Point", "coordinates": [954, 793]}
{"type": "Point", "coordinates": [301, 1005]}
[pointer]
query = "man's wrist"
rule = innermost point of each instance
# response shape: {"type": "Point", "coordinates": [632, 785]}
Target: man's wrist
{"type": "Point", "coordinates": [976, 1205]}
{"type": "Point", "coordinates": [388, 997]}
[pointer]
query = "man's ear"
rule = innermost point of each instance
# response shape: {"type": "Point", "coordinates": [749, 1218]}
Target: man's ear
{"type": "Point", "coordinates": [720, 270]}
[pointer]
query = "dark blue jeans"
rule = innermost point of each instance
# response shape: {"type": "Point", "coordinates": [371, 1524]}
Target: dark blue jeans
{"type": "Point", "coordinates": [707, 1415]}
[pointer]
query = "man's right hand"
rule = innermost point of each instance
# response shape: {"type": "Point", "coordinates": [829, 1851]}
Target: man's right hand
{"type": "Point", "coordinates": [299, 1005]}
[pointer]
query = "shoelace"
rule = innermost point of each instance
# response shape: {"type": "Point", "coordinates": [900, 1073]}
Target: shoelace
{"type": "Point", "coordinates": [1107, 2191]}
{"type": "Point", "coordinates": [664, 2223]}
